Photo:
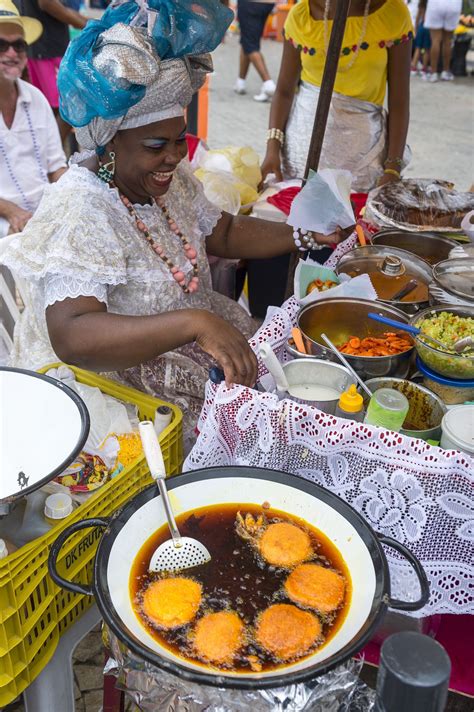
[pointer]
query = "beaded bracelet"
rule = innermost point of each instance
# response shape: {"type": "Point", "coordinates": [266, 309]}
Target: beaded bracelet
{"type": "Point", "coordinates": [277, 134]}
{"type": "Point", "coordinates": [305, 241]}
{"type": "Point", "coordinates": [392, 172]}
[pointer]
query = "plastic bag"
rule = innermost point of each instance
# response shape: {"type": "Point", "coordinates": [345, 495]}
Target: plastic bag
{"type": "Point", "coordinates": [178, 28]}
{"type": "Point", "coordinates": [107, 414]}
{"type": "Point", "coordinates": [242, 163]}
{"type": "Point", "coordinates": [222, 189]}
{"type": "Point", "coordinates": [324, 203]}
{"type": "Point", "coordinates": [418, 205]}
{"type": "Point", "coordinates": [306, 271]}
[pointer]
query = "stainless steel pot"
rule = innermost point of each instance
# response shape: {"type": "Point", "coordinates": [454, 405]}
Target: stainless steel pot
{"type": "Point", "coordinates": [427, 245]}
{"type": "Point", "coordinates": [426, 408]}
{"type": "Point", "coordinates": [360, 547]}
{"type": "Point", "coordinates": [341, 318]}
{"type": "Point", "coordinates": [313, 371]}
{"type": "Point", "coordinates": [390, 263]}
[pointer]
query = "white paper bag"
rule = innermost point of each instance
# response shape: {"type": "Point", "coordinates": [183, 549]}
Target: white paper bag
{"type": "Point", "coordinates": [355, 288]}
{"type": "Point", "coordinates": [324, 203]}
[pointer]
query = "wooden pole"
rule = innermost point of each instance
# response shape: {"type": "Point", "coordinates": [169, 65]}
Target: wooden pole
{"type": "Point", "coordinates": [327, 86]}
{"type": "Point", "coordinates": [322, 110]}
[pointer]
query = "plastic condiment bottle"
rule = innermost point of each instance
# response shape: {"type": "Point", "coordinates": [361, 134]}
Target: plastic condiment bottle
{"type": "Point", "coordinates": [57, 506]}
{"type": "Point", "coordinates": [351, 405]}
{"type": "Point", "coordinates": [413, 675]}
{"type": "Point", "coordinates": [387, 408]}
{"type": "Point", "coordinates": [42, 512]}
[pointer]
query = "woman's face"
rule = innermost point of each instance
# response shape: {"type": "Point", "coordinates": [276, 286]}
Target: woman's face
{"type": "Point", "coordinates": [146, 157]}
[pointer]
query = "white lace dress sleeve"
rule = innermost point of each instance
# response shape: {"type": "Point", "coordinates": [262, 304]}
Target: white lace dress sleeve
{"type": "Point", "coordinates": [58, 287]}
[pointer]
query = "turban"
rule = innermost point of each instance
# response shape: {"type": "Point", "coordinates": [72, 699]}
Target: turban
{"type": "Point", "coordinates": [127, 55]}
{"type": "Point", "coordinates": [140, 63]}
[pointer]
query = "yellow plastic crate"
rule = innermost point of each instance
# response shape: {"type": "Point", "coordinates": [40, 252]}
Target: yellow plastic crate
{"type": "Point", "coordinates": [34, 611]}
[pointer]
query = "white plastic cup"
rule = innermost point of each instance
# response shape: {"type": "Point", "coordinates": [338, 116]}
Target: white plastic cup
{"type": "Point", "coordinates": [457, 429]}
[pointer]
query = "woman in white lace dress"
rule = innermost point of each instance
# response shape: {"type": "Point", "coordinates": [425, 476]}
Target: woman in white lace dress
{"type": "Point", "coordinates": [114, 262]}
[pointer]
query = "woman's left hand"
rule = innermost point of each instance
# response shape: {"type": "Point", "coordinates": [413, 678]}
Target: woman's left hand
{"type": "Point", "coordinates": [335, 237]}
{"type": "Point", "coordinates": [387, 178]}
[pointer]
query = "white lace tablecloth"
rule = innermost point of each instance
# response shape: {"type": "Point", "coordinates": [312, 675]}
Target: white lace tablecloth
{"type": "Point", "coordinates": [418, 494]}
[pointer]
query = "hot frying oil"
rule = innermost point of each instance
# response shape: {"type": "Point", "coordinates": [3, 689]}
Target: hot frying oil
{"type": "Point", "coordinates": [236, 579]}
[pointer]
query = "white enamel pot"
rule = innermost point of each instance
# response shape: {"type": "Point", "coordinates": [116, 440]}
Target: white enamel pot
{"type": "Point", "coordinates": [125, 533]}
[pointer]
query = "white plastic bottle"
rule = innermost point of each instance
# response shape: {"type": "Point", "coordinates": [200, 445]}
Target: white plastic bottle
{"type": "Point", "coordinates": [42, 512]}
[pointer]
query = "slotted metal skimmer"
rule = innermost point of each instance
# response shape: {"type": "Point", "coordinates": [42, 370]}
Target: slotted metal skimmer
{"type": "Point", "coordinates": [179, 552]}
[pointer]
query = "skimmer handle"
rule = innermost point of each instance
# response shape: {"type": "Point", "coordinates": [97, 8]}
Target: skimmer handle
{"type": "Point", "coordinates": [154, 458]}
{"type": "Point", "coordinates": [270, 360]}
{"type": "Point", "coordinates": [152, 450]}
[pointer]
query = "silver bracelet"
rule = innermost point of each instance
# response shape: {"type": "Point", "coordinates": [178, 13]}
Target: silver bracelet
{"type": "Point", "coordinates": [305, 241]}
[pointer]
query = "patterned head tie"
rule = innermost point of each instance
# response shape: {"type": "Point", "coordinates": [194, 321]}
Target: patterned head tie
{"type": "Point", "coordinates": [135, 67]}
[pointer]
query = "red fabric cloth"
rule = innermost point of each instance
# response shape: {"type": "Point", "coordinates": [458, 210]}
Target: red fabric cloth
{"type": "Point", "coordinates": [358, 200]}
{"type": "Point", "coordinates": [456, 635]}
{"type": "Point", "coordinates": [284, 199]}
{"type": "Point", "coordinates": [193, 142]}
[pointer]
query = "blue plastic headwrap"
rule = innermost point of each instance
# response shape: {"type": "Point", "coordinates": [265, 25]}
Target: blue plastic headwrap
{"type": "Point", "coordinates": [181, 27]}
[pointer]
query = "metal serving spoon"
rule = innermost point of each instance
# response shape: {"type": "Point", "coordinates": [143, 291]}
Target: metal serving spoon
{"type": "Point", "coordinates": [346, 363]}
{"type": "Point", "coordinates": [179, 552]}
{"type": "Point", "coordinates": [458, 346]}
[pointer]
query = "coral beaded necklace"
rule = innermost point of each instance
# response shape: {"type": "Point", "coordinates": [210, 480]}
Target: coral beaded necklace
{"type": "Point", "coordinates": [189, 251]}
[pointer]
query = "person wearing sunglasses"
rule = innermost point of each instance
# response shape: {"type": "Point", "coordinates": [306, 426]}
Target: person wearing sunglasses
{"type": "Point", "coordinates": [31, 154]}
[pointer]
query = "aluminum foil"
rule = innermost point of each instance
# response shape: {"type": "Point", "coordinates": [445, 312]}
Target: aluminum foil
{"type": "Point", "coordinates": [418, 205]}
{"type": "Point", "coordinates": [154, 690]}
{"type": "Point", "coordinates": [355, 138]}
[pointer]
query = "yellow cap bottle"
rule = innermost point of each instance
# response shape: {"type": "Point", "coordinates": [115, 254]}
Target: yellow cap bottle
{"type": "Point", "coordinates": [351, 404]}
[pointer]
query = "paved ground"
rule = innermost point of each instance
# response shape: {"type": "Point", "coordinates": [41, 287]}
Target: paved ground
{"type": "Point", "coordinates": [442, 117]}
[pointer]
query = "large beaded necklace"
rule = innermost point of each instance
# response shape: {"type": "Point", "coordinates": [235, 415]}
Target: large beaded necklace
{"type": "Point", "coordinates": [189, 251]}
{"type": "Point", "coordinates": [365, 21]}
{"type": "Point", "coordinates": [43, 174]}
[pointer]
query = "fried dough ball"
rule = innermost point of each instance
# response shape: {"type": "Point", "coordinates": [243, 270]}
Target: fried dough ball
{"type": "Point", "coordinates": [172, 602]}
{"type": "Point", "coordinates": [218, 636]}
{"type": "Point", "coordinates": [286, 631]}
{"type": "Point", "coordinates": [314, 586]}
{"type": "Point", "coordinates": [283, 544]}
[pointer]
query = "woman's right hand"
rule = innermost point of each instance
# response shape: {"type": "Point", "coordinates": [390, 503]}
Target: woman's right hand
{"type": "Point", "coordinates": [228, 347]}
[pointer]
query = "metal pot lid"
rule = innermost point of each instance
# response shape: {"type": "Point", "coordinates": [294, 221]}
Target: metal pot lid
{"type": "Point", "coordinates": [426, 245]}
{"type": "Point", "coordinates": [456, 276]}
{"type": "Point", "coordinates": [389, 263]}
{"type": "Point", "coordinates": [43, 427]}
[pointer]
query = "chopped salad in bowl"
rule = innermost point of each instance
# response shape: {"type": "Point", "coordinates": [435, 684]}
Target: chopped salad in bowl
{"type": "Point", "coordinates": [448, 326]}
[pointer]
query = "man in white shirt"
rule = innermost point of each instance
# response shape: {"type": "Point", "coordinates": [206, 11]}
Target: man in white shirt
{"type": "Point", "coordinates": [31, 154]}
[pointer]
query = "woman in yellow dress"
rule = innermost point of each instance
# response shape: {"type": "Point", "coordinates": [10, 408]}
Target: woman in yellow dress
{"type": "Point", "coordinates": [361, 136]}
